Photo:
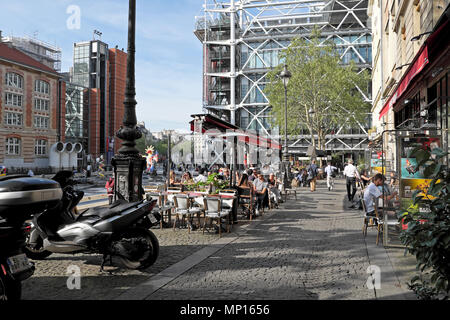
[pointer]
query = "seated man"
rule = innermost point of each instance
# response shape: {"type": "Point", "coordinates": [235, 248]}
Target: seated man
{"type": "Point", "coordinates": [260, 187]}
{"type": "Point", "coordinates": [372, 193]}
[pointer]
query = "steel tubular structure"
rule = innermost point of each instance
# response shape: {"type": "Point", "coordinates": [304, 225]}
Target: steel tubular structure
{"type": "Point", "coordinates": [242, 41]}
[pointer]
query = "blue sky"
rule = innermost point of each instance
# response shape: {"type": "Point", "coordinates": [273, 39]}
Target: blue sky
{"type": "Point", "coordinates": [169, 56]}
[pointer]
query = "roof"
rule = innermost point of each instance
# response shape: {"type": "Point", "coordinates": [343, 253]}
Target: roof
{"type": "Point", "coordinates": [17, 56]}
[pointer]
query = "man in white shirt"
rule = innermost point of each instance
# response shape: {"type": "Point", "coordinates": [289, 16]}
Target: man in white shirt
{"type": "Point", "coordinates": [351, 174]}
{"type": "Point", "coordinates": [201, 177]}
{"type": "Point", "coordinates": [372, 194]}
{"type": "Point", "coordinates": [329, 170]}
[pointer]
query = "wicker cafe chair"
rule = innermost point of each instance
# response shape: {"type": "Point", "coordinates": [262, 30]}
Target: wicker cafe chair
{"type": "Point", "coordinates": [184, 208]}
{"type": "Point", "coordinates": [382, 222]}
{"type": "Point", "coordinates": [215, 211]}
{"type": "Point", "coordinates": [247, 201]}
{"type": "Point", "coordinates": [163, 208]}
{"type": "Point", "coordinates": [372, 222]}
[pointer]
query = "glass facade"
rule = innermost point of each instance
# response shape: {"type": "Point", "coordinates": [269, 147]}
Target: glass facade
{"type": "Point", "coordinates": [81, 64]}
{"type": "Point", "coordinates": [76, 113]}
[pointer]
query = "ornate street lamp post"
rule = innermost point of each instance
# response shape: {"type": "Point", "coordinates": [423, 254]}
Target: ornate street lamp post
{"type": "Point", "coordinates": [129, 164]}
{"type": "Point", "coordinates": [285, 76]}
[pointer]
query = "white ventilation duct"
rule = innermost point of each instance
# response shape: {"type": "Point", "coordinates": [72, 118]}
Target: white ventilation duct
{"type": "Point", "coordinates": [56, 151]}
{"type": "Point", "coordinates": [65, 157]}
{"type": "Point", "coordinates": [77, 149]}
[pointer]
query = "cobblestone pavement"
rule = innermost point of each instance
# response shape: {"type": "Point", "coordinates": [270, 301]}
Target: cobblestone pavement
{"type": "Point", "coordinates": [312, 249]}
{"type": "Point", "coordinates": [50, 279]}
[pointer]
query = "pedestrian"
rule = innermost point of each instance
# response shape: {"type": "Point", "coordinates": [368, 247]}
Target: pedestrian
{"type": "Point", "coordinates": [30, 173]}
{"type": "Point", "coordinates": [312, 175]}
{"type": "Point", "coordinates": [110, 189]}
{"type": "Point", "coordinates": [331, 174]}
{"type": "Point", "coordinates": [351, 174]}
{"type": "Point", "coordinates": [89, 169]}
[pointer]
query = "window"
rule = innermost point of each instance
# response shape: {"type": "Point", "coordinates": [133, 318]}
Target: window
{"type": "Point", "coordinates": [40, 147]}
{"type": "Point", "coordinates": [13, 119]}
{"type": "Point", "coordinates": [41, 105]}
{"type": "Point", "coordinates": [14, 100]}
{"type": "Point", "coordinates": [42, 87]}
{"type": "Point", "coordinates": [41, 122]}
{"type": "Point", "coordinates": [14, 80]}
{"type": "Point", "coordinates": [13, 146]}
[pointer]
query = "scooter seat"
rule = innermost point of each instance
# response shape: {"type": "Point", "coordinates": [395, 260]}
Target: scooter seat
{"type": "Point", "coordinates": [107, 212]}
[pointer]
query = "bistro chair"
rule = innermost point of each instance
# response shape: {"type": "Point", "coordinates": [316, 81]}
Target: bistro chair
{"type": "Point", "coordinates": [229, 203]}
{"type": "Point", "coordinates": [372, 222]}
{"type": "Point", "coordinates": [382, 222]}
{"type": "Point", "coordinates": [163, 208]}
{"type": "Point", "coordinates": [184, 209]}
{"type": "Point", "coordinates": [215, 211]}
{"type": "Point", "coordinates": [171, 192]}
{"type": "Point", "coordinates": [246, 201]}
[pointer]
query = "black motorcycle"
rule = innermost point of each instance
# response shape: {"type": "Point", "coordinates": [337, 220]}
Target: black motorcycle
{"type": "Point", "coordinates": [20, 198]}
{"type": "Point", "coordinates": [120, 230]}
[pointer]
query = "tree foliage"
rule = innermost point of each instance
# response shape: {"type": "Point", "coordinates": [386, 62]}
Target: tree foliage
{"type": "Point", "coordinates": [319, 82]}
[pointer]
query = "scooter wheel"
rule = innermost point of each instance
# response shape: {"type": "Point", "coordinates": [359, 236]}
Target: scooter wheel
{"type": "Point", "coordinates": [147, 257]}
{"type": "Point", "coordinates": [10, 290]}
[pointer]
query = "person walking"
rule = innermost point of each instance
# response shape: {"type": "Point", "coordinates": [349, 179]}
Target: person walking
{"type": "Point", "coordinates": [330, 172]}
{"type": "Point", "coordinates": [351, 174]}
{"type": "Point", "coordinates": [110, 189]}
{"type": "Point", "coordinates": [312, 175]}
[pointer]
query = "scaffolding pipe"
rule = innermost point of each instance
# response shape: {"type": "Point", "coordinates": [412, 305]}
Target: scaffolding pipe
{"type": "Point", "coordinates": [233, 63]}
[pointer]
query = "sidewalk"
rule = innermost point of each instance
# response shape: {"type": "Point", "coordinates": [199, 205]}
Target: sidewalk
{"type": "Point", "coordinates": [312, 248]}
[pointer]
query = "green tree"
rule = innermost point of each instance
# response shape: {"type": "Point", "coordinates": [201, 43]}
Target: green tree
{"type": "Point", "coordinates": [321, 83]}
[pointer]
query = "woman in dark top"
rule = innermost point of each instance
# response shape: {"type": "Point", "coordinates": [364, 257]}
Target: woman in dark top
{"type": "Point", "coordinates": [365, 179]}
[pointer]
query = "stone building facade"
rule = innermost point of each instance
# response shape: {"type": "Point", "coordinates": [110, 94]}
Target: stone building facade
{"type": "Point", "coordinates": [28, 110]}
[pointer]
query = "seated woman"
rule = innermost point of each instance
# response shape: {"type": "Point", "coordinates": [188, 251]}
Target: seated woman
{"type": "Point", "coordinates": [365, 178]}
{"type": "Point", "coordinates": [187, 178]}
{"type": "Point", "coordinates": [245, 193]}
{"type": "Point", "coordinates": [273, 187]}
{"type": "Point", "coordinates": [262, 197]}
{"type": "Point", "coordinates": [172, 178]}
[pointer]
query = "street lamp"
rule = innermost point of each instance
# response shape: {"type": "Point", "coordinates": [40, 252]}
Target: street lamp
{"type": "Point", "coordinates": [285, 76]}
{"type": "Point", "coordinates": [420, 36]}
{"type": "Point", "coordinates": [129, 164]}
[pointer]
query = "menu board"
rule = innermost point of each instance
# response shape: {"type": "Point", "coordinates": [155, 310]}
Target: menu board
{"type": "Point", "coordinates": [413, 178]}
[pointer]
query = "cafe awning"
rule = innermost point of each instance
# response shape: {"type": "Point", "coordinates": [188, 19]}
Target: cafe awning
{"type": "Point", "coordinates": [419, 64]}
{"type": "Point", "coordinates": [425, 55]}
{"type": "Point", "coordinates": [210, 122]}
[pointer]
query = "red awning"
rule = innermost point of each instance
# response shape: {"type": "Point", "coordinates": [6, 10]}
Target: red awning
{"type": "Point", "coordinates": [430, 48]}
{"type": "Point", "coordinates": [419, 64]}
